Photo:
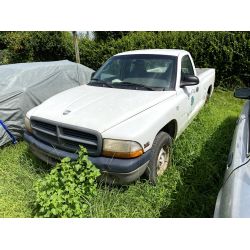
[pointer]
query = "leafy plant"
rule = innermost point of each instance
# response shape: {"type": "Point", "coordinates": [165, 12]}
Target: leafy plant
{"type": "Point", "coordinates": [66, 191]}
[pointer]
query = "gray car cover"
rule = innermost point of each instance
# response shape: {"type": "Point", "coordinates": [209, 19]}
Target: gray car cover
{"type": "Point", "coordinates": [26, 85]}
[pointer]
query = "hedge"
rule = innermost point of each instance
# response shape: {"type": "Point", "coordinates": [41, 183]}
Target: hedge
{"type": "Point", "coordinates": [35, 46]}
{"type": "Point", "coordinates": [227, 52]}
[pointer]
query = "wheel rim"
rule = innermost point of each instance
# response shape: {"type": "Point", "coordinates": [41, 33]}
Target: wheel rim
{"type": "Point", "coordinates": [162, 161]}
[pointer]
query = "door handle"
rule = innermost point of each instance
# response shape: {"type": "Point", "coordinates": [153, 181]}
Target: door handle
{"type": "Point", "coordinates": [197, 89]}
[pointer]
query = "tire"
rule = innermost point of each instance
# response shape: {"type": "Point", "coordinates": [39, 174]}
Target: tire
{"type": "Point", "coordinates": [207, 98]}
{"type": "Point", "coordinates": [160, 157]}
{"type": "Point", "coordinates": [208, 94]}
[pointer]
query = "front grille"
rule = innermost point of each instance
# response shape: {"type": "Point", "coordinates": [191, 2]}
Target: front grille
{"type": "Point", "coordinates": [46, 137]}
{"type": "Point", "coordinates": [43, 125]}
{"type": "Point", "coordinates": [78, 134]}
{"type": "Point", "coordinates": [67, 137]}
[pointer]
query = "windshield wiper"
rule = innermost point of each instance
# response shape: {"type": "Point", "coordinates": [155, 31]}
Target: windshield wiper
{"type": "Point", "coordinates": [135, 85]}
{"type": "Point", "coordinates": [98, 81]}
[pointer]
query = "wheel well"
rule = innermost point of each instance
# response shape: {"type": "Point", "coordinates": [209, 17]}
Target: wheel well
{"type": "Point", "coordinates": [170, 128]}
{"type": "Point", "coordinates": [209, 90]}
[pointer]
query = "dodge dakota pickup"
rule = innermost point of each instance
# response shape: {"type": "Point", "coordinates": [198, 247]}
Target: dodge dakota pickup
{"type": "Point", "coordinates": [127, 116]}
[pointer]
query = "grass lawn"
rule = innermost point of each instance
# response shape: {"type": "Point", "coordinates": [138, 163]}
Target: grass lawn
{"type": "Point", "coordinates": [188, 189]}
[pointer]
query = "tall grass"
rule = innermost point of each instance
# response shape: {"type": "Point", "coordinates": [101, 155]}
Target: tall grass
{"type": "Point", "coordinates": [18, 172]}
{"type": "Point", "coordinates": [188, 189]}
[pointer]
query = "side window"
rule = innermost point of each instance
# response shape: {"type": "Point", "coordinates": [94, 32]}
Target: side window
{"type": "Point", "coordinates": [186, 66]}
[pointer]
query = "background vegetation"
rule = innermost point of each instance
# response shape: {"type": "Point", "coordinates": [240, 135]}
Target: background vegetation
{"type": "Point", "coordinates": [227, 52]}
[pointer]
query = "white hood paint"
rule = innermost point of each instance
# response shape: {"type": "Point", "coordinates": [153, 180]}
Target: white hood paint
{"type": "Point", "coordinates": [98, 108]}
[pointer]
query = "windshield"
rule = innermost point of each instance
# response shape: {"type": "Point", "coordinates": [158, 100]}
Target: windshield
{"type": "Point", "coordinates": [144, 72]}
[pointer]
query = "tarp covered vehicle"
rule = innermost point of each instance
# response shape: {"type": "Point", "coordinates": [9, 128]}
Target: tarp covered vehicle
{"type": "Point", "coordinates": [26, 85]}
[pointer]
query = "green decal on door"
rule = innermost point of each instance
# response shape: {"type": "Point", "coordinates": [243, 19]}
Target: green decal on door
{"type": "Point", "coordinates": [192, 101]}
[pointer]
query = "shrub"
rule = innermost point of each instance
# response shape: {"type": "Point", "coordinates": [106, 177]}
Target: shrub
{"type": "Point", "coordinates": [2, 40]}
{"type": "Point", "coordinates": [38, 46]}
{"type": "Point", "coordinates": [227, 52]}
{"type": "Point", "coordinates": [67, 190]}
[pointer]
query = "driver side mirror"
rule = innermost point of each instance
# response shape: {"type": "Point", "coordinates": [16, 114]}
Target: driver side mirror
{"type": "Point", "coordinates": [189, 80]}
{"type": "Point", "coordinates": [242, 93]}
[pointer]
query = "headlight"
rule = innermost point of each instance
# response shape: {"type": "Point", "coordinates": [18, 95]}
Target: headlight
{"type": "Point", "coordinates": [27, 124]}
{"type": "Point", "coordinates": [121, 149]}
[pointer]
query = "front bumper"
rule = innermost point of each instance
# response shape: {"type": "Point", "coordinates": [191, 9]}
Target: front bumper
{"type": "Point", "coordinates": [113, 170]}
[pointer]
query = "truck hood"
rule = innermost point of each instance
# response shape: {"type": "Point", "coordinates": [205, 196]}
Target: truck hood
{"type": "Point", "coordinates": [97, 108]}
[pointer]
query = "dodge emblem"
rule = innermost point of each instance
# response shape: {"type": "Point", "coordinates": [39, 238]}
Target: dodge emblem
{"type": "Point", "coordinates": [66, 112]}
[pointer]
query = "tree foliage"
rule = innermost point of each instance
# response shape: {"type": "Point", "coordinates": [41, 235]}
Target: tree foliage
{"type": "Point", "coordinates": [108, 35]}
{"type": "Point", "coordinates": [37, 46]}
{"type": "Point", "coordinates": [3, 40]}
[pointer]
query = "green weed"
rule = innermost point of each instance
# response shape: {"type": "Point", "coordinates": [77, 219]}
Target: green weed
{"type": "Point", "coordinates": [65, 192]}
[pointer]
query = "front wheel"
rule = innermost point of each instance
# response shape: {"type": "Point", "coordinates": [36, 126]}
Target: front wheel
{"type": "Point", "coordinates": [160, 157]}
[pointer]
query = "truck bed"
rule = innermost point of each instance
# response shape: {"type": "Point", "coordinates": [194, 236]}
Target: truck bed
{"type": "Point", "coordinates": [200, 71]}
{"type": "Point", "coordinates": [205, 73]}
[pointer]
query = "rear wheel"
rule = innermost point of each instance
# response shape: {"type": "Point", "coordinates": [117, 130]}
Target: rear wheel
{"type": "Point", "coordinates": [160, 157]}
{"type": "Point", "coordinates": [208, 94]}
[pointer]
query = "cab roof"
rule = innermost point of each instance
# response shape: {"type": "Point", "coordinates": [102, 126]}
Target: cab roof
{"type": "Point", "coordinates": [169, 52]}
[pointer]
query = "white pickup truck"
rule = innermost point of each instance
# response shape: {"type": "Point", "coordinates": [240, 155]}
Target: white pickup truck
{"type": "Point", "coordinates": [126, 116]}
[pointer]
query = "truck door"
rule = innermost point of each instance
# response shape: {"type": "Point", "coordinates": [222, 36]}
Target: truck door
{"type": "Point", "coordinates": [192, 92]}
